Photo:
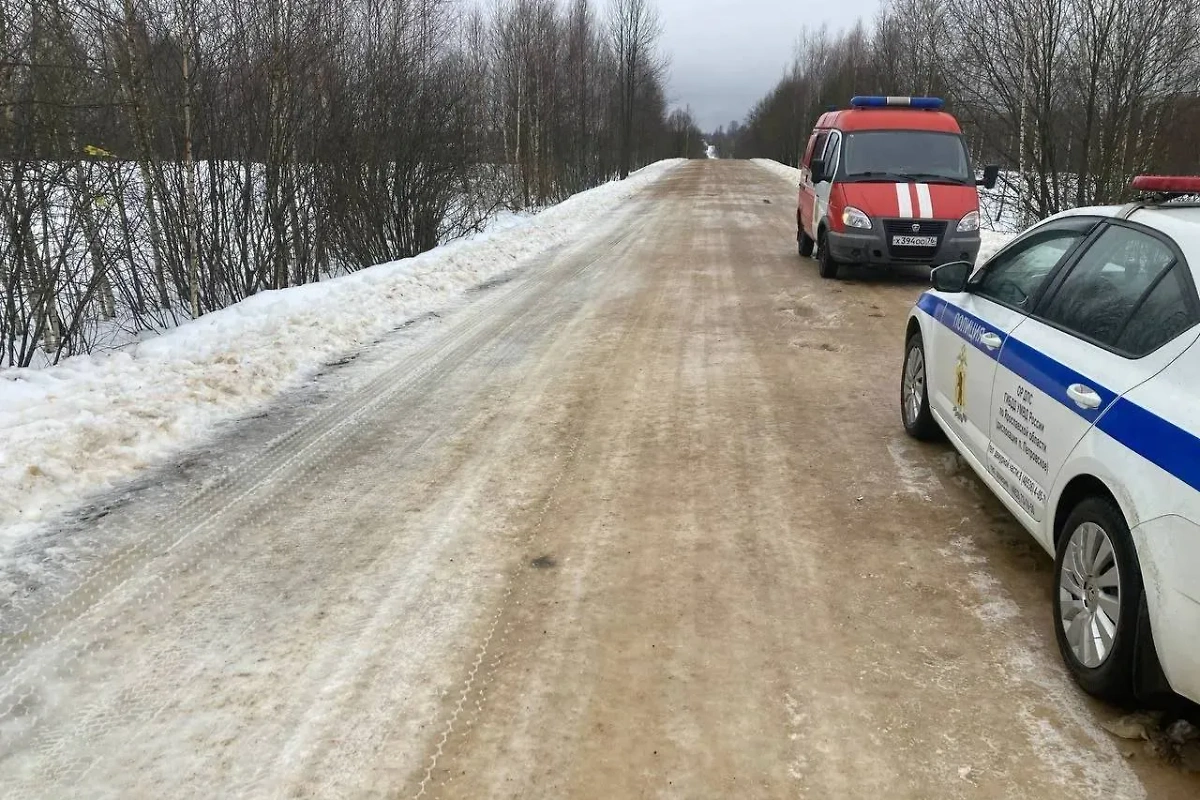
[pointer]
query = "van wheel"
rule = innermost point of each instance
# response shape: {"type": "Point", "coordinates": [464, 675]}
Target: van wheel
{"type": "Point", "coordinates": [1097, 593]}
{"type": "Point", "coordinates": [825, 263]}
{"type": "Point", "coordinates": [806, 244]}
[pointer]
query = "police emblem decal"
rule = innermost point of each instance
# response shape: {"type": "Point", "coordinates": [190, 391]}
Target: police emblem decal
{"type": "Point", "coordinates": [960, 385]}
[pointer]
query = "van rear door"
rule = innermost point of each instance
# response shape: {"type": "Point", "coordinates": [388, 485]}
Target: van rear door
{"type": "Point", "coordinates": [808, 195]}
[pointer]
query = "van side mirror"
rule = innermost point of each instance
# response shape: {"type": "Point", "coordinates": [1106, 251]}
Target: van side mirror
{"type": "Point", "coordinates": [818, 170]}
{"type": "Point", "coordinates": [952, 277]}
{"type": "Point", "coordinates": [991, 174]}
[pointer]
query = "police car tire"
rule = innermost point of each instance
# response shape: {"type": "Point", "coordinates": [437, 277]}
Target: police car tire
{"type": "Point", "coordinates": [924, 427]}
{"type": "Point", "coordinates": [826, 266]}
{"type": "Point", "coordinates": [1113, 680]}
{"type": "Point", "coordinates": [806, 244]}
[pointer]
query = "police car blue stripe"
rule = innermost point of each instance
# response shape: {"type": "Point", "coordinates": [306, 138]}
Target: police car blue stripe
{"type": "Point", "coordinates": [1051, 376]}
{"type": "Point", "coordinates": [1162, 443]}
{"type": "Point", "coordinates": [931, 304]}
{"type": "Point", "coordinates": [968, 326]}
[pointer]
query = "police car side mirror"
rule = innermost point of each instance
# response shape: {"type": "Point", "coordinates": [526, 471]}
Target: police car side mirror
{"type": "Point", "coordinates": [952, 277]}
{"type": "Point", "coordinates": [991, 174]}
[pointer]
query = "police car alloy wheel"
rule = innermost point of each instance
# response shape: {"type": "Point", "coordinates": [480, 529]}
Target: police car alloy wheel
{"type": "Point", "coordinates": [914, 393]}
{"type": "Point", "coordinates": [1089, 584]}
{"type": "Point", "coordinates": [1097, 593]}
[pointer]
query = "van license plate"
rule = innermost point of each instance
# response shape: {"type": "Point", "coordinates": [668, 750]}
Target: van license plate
{"type": "Point", "coordinates": [914, 241]}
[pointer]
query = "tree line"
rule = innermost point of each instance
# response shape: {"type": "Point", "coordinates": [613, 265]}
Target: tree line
{"type": "Point", "coordinates": [1071, 97]}
{"type": "Point", "coordinates": [165, 158]}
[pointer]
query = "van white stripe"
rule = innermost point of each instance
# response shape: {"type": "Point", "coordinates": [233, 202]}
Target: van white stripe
{"type": "Point", "coordinates": [924, 201]}
{"type": "Point", "coordinates": [903, 199]}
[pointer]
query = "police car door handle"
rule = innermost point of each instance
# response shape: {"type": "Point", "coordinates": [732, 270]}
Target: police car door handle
{"type": "Point", "coordinates": [991, 341]}
{"type": "Point", "coordinates": [1083, 396]}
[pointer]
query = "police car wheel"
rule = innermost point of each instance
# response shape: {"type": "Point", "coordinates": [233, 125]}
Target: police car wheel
{"type": "Point", "coordinates": [806, 244]}
{"type": "Point", "coordinates": [825, 263]}
{"type": "Point", "coordinates": [1098, 589]}
{"type": "Point", "coordinates": [914, 393]}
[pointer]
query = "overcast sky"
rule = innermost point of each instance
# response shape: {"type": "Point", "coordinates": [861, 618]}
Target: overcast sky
{"type": "Point", "coordinates": [725, 54]}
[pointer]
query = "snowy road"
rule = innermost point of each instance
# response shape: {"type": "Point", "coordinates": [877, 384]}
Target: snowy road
{"type": "Point", "coordinates": [638, 520]}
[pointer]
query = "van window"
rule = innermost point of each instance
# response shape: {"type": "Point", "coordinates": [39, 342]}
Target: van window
{"type": "Point", "coordinates": [806, 156]}
{"type": "Point", "coordinates": [815, 145]}
{"type": "Point", "coordinates": [906, 155]}
{"type": "Point", "coordinates": [831, 152]}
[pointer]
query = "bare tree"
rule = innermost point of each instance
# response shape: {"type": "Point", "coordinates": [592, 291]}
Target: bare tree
{"type": "Point", "coordinates": [165, 158]}
{"type": "Point", "coordinates": [634, 29]}
{"type": "Point", "coordinates": [1072, 97]}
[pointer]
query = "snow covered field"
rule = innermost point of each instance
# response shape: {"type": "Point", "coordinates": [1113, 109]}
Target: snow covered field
{"type": "Point", "coordinates": [92, 421]}
{"type": "Point", "coordinates": [97, 260]}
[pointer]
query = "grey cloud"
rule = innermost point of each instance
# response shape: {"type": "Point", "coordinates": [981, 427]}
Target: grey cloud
{"type": "Point", "coordinates": [726, 54]}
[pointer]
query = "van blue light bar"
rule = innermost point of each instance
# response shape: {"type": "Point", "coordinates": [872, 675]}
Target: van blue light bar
{"type": "Point", "coordinates": [872, 101]}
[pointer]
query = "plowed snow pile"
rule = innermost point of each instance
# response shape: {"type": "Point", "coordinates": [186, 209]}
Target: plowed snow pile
{"type": "Point", "coordinates": [78, 427]}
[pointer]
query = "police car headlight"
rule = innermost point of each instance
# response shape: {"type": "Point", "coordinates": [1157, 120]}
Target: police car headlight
{"type": "Point", "coordinates": [854, 218]}
{"type": "Point", "coordinates": [969, 223]}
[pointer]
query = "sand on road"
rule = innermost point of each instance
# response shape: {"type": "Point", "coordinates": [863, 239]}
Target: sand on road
{"type": "Point", "coordinates": [639, 522]}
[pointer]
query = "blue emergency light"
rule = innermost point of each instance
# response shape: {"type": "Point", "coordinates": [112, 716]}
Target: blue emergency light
{"type": "Point", "coordinates": [872, 101]}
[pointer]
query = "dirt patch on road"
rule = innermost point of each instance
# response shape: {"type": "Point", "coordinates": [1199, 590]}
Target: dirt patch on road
{"type": "Point", "coordinates": [765, 590]}
{"type": "Point", "coordinates": [641, 522]}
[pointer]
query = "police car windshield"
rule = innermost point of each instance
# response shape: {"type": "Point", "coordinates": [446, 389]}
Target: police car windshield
{"type": "Point", "coordinates": [906, 155]}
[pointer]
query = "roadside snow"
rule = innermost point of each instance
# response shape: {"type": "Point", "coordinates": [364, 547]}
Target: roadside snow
{"type": "Point", "coordinates": [782, 170]}
{"type": "Point", "coordinates": [990, 242]}
{"type": "Point", "coordinates": [91, 421]}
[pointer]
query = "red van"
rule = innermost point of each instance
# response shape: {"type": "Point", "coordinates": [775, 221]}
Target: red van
{"type": "Point", "coordinates": [888, 181]}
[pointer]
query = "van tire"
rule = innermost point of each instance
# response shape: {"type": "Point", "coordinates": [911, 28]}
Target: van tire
{"type": "Point", "coordinates": [806, 244]}
{"type": "Point", "coordinates": [825, 263]}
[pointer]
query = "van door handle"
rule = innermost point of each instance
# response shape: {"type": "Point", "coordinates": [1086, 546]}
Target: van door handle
{"type": "Point", "coordinates": [991, 341]}
{"type": "Point", "coordinates": [1083, 396]}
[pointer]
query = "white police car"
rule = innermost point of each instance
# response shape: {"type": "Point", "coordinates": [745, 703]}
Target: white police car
{"type": "Point", "coordinates": [1066, 370]}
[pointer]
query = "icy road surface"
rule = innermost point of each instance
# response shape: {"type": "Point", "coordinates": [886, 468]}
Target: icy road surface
{"type": "Point", "coordinates": [638, 520]}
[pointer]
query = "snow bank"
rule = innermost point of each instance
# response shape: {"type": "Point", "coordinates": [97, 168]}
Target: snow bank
{"type": "Point", "coordinates": [782, 170]}
{"type": "Point", "coordinates": [91, 421]}
{"type": "Point", "coordinates": [990, 242]}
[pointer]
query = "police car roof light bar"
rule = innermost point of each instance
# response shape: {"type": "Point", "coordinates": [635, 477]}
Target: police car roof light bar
{"type": "Point", "coordinates": [1161, 189]}
{"type": "Point", "coordinates": [1167, 184]}
{"type": "Point", "coordinates": [876, 101]}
